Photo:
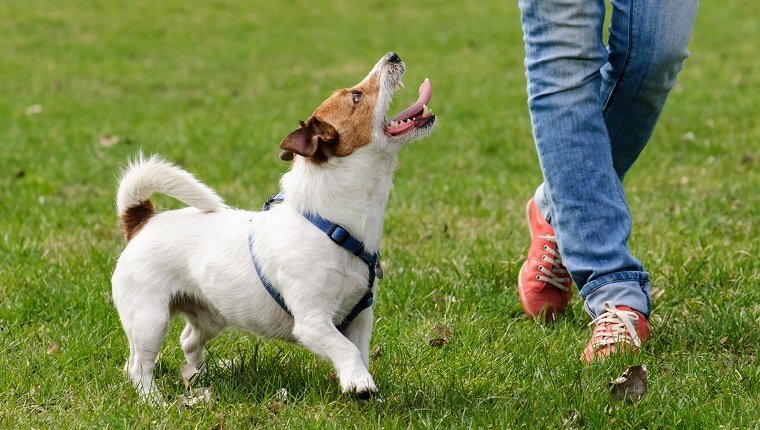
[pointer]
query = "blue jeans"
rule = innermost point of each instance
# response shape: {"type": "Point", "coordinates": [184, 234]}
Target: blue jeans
{"type": "Point", "coordinates": [593, 109]}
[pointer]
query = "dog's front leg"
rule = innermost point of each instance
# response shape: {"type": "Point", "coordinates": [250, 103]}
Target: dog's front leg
{"type": "Point", "coordinates": [317, 332]}
{"type": "Point", "coordinates": [360, 333]}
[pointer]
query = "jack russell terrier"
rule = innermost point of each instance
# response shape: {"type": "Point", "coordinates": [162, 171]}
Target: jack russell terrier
{"type": "Point", "coordinates": [304, 270]}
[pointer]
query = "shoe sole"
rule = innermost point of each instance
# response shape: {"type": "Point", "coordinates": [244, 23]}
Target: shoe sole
{"type": "Point", "coordinates": [529, 314]}
{"type": "Point", "coordinates": [522, 296]}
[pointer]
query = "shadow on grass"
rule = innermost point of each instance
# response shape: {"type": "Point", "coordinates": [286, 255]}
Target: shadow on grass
{"type": "Point", "coordinates": [257, 375]}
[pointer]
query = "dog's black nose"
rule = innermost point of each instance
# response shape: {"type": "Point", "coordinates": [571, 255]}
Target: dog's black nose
{"type": "Point", "coordinates": [393, 57]}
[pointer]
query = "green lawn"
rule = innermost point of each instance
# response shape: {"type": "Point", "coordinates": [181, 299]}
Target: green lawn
{"type": "Point", "coordinates": [215, 85]}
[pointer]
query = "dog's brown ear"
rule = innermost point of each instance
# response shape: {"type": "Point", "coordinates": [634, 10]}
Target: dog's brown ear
{"type": "Point", "coordinates": [301, 142]}
{"type": "Point", "coordinates": [307, 140]}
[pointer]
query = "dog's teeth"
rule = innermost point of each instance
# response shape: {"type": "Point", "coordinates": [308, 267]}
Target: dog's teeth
{"type": "Point", "coordinates": [398, 123]}
{"type": "Point", "coordinates": [400, 84]}
{"type": "Point", "coordinates": [425, 111]}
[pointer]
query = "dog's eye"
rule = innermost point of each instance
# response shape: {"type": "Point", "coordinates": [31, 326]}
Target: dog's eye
{"type": "Point", "coordinates": [356, 96]}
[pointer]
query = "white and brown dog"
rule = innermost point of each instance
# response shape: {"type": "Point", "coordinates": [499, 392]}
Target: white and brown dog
{"type": "Point", "coordinates": [278, 273]}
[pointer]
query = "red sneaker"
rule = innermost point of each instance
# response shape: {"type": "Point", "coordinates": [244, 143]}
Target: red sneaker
{"type": "Point", "coordinates": [619, 329]}
{"type": "Point", "coordinates": [544, 284]}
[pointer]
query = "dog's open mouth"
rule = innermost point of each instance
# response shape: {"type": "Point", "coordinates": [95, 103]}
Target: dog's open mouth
{"type": "Point", "coordinates": [418, 115]}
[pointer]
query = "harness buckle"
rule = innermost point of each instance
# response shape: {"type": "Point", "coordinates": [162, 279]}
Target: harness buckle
{"type": "Point", "coordinates": [273, 199]}
{"type": "Point", "coordinates": [338, 234]}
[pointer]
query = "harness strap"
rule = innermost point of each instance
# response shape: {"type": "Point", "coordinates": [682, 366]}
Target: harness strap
{"type": "Point", "coordinates": [365, 302]}
{"type": "Point", "coordinates": [264, 280]}
{"type": "Point", "coordinates": [341, 237]}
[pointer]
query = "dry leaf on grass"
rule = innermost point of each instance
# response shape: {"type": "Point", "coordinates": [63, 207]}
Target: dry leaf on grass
{"type": "Point", "coordinates": [33, 110]}
{"type": "Point", "coordinates": [377, 352]}
{"type": "Point", "coordinates": [53, 348]}
{"type": "Point", "coordinates": [107, 140]}
{"type": "Point", "coordinates": [631, 385]}
{"type": "Point", "coordinates": [437, 342]}
{"type": "Point", "coordinates": [444, 335]}
{"type": "Point", "coordinates": [442, 331]}
{"type": "Point", "coordinates": [278, 401]}
{"type": "Point", "coordinates": [436, 296]}
{"type": "Point", "coordinates": [275, 407]}
{"type": "Point", "coordinates": [198, 395]}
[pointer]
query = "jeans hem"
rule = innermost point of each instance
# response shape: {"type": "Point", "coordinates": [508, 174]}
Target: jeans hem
{"type": "Point", "coordinates": [623, 288]}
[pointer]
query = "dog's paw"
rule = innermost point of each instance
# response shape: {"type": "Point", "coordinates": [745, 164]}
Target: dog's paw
{"type": "Point", "coordinates": [362, 391]}
{"type": "Point", "coordinates": [364, 395]}
{"type": "Point", "coordinates": [358, 383]}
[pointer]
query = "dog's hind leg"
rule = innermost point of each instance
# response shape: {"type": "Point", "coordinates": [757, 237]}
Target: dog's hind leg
{"type": "Point", "coordinates": [360, 333]}
{"type": "Point", "coordinates": [200, 329]}
{"type": "Point", "coordinates": [145, 325]}
{"type": "Point", "coordinates": [317, 332]}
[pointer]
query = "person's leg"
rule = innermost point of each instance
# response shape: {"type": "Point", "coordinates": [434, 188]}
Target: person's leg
{"type": "Point", "coordinates": [588, 211]}
{"type": "Point", "coordinates": [647, 47]}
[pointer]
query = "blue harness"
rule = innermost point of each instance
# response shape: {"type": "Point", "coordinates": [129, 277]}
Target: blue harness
{"type": "Point", "coordinates": [343, 238]}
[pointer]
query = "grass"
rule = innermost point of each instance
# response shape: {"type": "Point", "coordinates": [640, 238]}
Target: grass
{"type": "Point", "coordinates": [215, 85]}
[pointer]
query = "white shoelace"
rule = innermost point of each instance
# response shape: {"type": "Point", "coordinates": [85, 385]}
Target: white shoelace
{"type": "Point", "coordinates": [558, 275]}
{"type": "Point", "coordinates": [622, 327]}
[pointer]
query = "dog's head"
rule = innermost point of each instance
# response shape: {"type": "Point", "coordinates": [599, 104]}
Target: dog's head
{"type": "Point", "coordinates": [352, 118]}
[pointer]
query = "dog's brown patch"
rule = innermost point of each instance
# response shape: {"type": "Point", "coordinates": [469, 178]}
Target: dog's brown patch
{"type": "Point", "coordinates": [134, 218]}
{"type": "Point", "coordinates": [341, 124]}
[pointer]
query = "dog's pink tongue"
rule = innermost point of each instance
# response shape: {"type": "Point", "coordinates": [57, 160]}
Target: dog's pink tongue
{"type": "Point", "coordinates": [425, 92]}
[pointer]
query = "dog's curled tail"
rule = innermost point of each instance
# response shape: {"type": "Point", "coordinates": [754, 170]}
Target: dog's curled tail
{"type": "Point", "coordinates": [143, 177]}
